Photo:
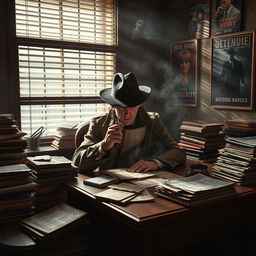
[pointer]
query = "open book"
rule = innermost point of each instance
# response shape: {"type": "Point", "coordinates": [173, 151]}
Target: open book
{"type": "Point", "coordinates": [54, 221]}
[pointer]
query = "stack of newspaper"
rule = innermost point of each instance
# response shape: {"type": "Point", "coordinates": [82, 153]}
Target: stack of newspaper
{"type": "Point", "coordinates": [201, 140]}
{"type": "Point", "coordinates": [65, 136]}
{"type": "Point", "coordinates": [12, 143]}
{"type": "Point", "coordinates": [237, 161]}
{"type": "Point", "coordinates": [195, 190]}
{"type": "Point", "coordinates": [240, 128]}
{"type": "Point", "coordinates": [49, 172]}
{"type": "Point", "coordinates": [16, 192]}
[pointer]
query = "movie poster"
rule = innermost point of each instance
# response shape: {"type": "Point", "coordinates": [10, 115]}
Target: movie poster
{"type": "Point", "coordinates": [232, 71]}
{"type": "Point", "coordinates": [184, 72]}
{"type": "Point", "coordinates": [228, 16]}
{"type": "Point", "coordinates": [199, 24]}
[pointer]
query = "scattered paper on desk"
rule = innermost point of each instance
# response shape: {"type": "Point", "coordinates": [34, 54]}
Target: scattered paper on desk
{"type": "Point", "coordinates": [168, 175]}
{"type": "Point", "coordinates": [144, 196]}
{"type": "Point", "coordinates": [115, 195]}
{"type": "Point", "coordinates": [156, 180]}
{"type": "Point", "coordinates": [125, 186]}
{"type": "Point", "coordinates": [148, 183]}
{"type": "Point", "coordinates": [123, 174]}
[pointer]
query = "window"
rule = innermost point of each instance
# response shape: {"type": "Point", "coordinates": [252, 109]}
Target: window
{"type": "Point", "coordinates": [66, 56]}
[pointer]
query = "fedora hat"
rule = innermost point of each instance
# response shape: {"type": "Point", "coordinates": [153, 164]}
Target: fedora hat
{"type": "Point", "coordinates": [125, 91]}
{"type": "Point", "coordinates": [230, 50]}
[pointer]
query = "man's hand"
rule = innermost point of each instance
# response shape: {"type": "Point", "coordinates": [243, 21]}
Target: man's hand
{"type": "Point", "coordinates": [143, 166]}
{"type": "Point", "coordinates": [220, 10]}
{"type": "Point", "coordinates": [113, 136]}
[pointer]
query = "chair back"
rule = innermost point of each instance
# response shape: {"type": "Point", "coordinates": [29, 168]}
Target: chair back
{"type": "Point", "coordinates": [81, 131]}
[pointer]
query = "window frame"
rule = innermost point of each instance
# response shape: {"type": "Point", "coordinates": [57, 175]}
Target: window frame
{"type": "Point", "coordinates": [16, 101]}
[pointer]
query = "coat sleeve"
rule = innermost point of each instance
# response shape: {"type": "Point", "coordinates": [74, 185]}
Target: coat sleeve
{"type": "Point", "coordinates": [172, 155]}
{"type": "Point", "coordinates": [89, 154]}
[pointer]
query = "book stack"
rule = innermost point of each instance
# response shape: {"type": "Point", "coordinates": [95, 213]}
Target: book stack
{"type": "Point", "coordinates": [16, 192]}
{"type": "Point", "coordinates": [201, 140]}
{"type": "Point", "coordinates": [65, 136]}
{"type": "Point", "coordinates": [12, 143]}
{"type": "Point", "coordinates": [49, 173]}
{"type": "Point", "coordinates": [196, 190]}
{"type": "Point", "coordinates": [60, 229]}
{"type": "Point", "coordinates": [240, 128]}
{"type": "Point", "coordinates": [237, 161]}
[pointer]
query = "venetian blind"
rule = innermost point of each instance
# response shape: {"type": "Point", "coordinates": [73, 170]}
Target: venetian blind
{"type": "Point", "coordinates": [66, 56]}
{"type": "Point", "coordinates": [90, 21]}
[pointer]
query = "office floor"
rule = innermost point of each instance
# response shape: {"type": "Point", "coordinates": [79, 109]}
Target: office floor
{"type": "Point", "coordinates": [240, 242]}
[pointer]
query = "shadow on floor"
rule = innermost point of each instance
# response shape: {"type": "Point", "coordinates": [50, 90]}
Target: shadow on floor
{"type": "Point", "coordinates": [240, 242]}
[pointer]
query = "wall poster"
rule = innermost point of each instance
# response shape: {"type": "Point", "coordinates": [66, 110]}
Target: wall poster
{"type": "Point", "coordinates": [228, 16]}
{"type": "Point", "coordinates": [184, 72]}
{"type": "Point", "coordinates": [199, 24]}
{"type": "Point", "coordinates": [232, 78]}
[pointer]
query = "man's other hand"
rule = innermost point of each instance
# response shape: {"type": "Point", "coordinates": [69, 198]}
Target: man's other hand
{"type": "Point", "coordinates": [143, 166]}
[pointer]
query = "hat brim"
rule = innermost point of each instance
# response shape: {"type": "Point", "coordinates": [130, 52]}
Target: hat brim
{"type": "Point", "coordinates": [106, 95]}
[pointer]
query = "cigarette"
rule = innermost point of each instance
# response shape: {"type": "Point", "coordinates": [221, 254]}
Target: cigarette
{"type": "Point", "coordinates": [117, 121]}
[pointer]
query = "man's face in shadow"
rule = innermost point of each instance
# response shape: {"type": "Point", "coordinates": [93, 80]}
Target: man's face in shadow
{"type": "Point", "coordinates": [226, 4]}
{"type": "Point", "coordinates": [231, 56]}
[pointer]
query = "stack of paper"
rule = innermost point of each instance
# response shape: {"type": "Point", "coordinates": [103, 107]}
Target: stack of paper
{"type": "Point", "coordinates": [201, 140]}
{"type": "Point", "coordinates": [196, 190]}
{"type": "Point", "coordinates": [237, 161]}
{"type": "Point", "coordinates": [12, 143]}
{"type": "Point", "coordinates": [65, 136]}
{"type": "Point", "coordinates": [49, 172]}
{"type": "Point", "coordinates": [240, 128]}
{"type": "Point", "coordinates": [16, 192]}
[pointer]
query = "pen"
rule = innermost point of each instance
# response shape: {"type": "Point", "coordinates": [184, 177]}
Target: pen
{"type": "Point", "coordinates": [38, 131]}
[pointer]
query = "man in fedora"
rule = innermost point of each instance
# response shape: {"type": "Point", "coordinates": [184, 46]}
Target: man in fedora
{"type": "Point", "coordinates": [233, 74]}
{"type": "Point", "coordinates": [127, 136]}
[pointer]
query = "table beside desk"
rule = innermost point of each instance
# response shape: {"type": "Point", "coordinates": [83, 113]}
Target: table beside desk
{"type": "Point", "coordinates": [158, 227]}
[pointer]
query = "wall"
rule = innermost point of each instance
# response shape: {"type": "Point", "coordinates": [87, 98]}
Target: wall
{"type": "Point", "coordinates": [166, 22]}
{"type": "Point", "coordinates": [4, 88]}
{"type": "Point", "coordinates": [9, 78]}
{"type": "Point", "coordinates": [147, 55]}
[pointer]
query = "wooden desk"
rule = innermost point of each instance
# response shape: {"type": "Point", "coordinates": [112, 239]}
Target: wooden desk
{"type": "Point", "coordinates": [159, 227]}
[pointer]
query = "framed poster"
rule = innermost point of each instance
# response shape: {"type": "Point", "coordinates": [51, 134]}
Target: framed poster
{"type": "Point", "coordinates": [232, 78]}
{"type": "Point", "coordinates": [228, 16]}
{"type": "Point", "coordinates": [184, 72]}
{"type": "Point", "coordinates": [199, 24]}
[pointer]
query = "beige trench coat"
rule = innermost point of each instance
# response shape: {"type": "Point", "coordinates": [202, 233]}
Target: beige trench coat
{"type": "Point", "coordinates": [157, 144]}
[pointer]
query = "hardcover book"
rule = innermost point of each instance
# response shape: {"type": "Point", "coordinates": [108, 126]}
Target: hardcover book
{"type": "Point", "coordinates": [101, 181]}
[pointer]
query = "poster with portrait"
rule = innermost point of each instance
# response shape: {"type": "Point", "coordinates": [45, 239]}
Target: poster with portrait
{"type": "Point", "coordinates": [228, 16]}
{"type": "Point", "coordinates": [199, 22]}
{"type": "Point", "coordinates": [184, 72]}
{"type": "Point", "coordinates": [233, 71]}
